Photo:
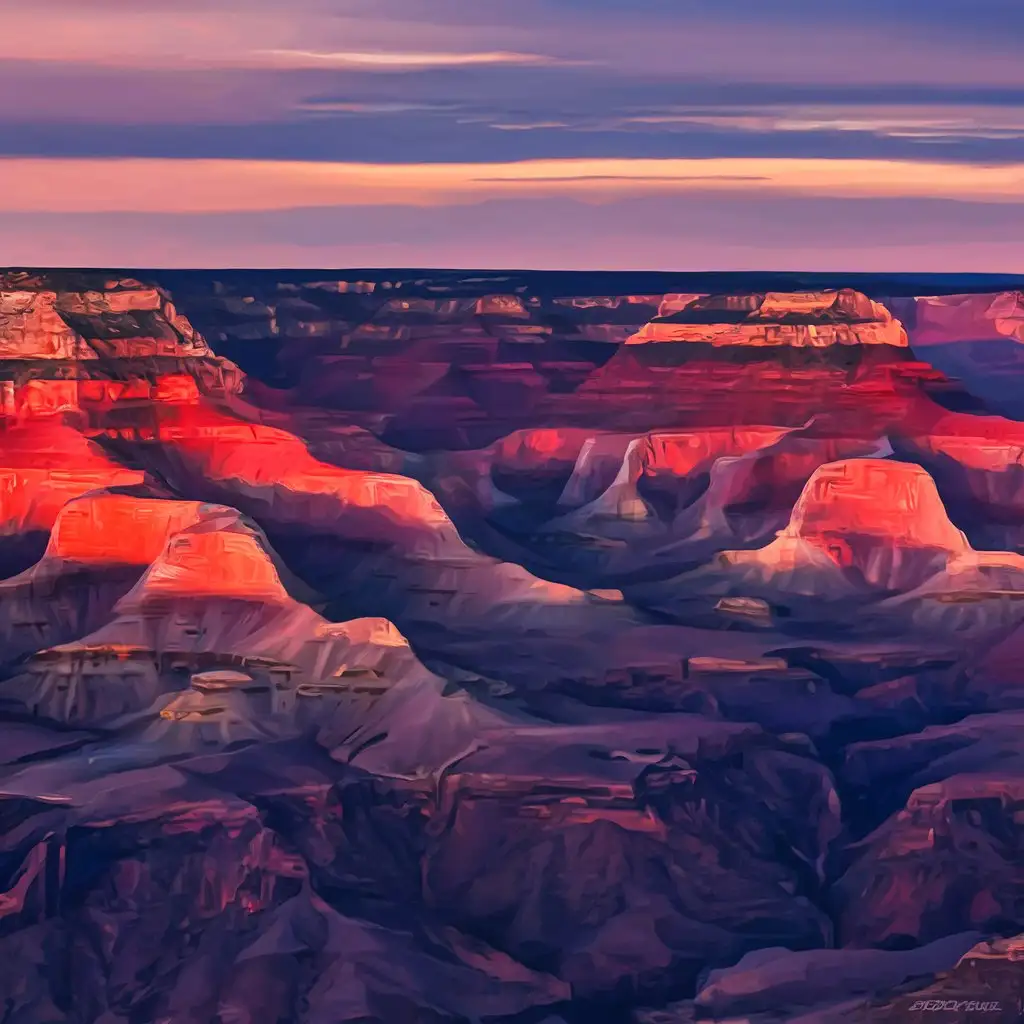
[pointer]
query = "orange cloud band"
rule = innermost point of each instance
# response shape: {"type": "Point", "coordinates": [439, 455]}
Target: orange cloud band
{"type": "Point", "coordinates": [211, 186]}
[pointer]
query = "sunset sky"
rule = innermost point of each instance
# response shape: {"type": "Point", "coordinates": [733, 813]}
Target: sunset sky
{"type": "Point", "coordinates": [883, 135]}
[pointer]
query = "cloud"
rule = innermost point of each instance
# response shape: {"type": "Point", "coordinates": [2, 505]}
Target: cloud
{"type": "Point", "coordinates": [210, 186]}
{"type": "Point", "coordinates": [382, 60]}
{"type": "Point", "coordinates": [307, 35]}
{"type": "Point", "coordinates": [881, 41]}
{"type": "Point", "coordinates": [371, 108]}
{"type": "Point", "coordinates": [938, 121]}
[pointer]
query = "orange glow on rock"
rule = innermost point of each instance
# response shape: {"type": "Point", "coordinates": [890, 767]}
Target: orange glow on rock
{"type": "Point", "coordinates": [888, 500]}
{"type": "Point", "coordinates": [679, 454]}
{"type": "Point", "coordinates": [217, 557]}
{"type": "Point", "coordinates": [44, 465]}
{"type": "Point", "coordinates": [118, 528]}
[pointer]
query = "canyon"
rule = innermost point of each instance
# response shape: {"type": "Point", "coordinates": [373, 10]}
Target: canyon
{"type": "Point", "coordinates": [529, 648]}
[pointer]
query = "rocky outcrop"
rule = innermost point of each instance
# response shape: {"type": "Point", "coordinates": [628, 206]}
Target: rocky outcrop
{"type": "Point", "coordinates": [880, 518]}
{"type": "Point", "coordinates": [123, 319]}
{"type": "Point", "coordinates": [956, 319]}
{"type": "Point", "coordinates": [98, 548]}
{"type": "Point", "coordinates": [778, 319]}
{"type": "Point", "coordinates": [213, 601]}
{"type": "Point", "coordinates": [892, 501]}
{"type": "Point", "coordinates": [638, 794]}
{"type": "Point", "coordinates": [43, 465]}
{"type": "Point", "coordinates": [820, 982]}
{"type": "Point", "coordinates": [954, 794]}
{"type": "Point", "coordinates": [975, 338]}
{"type": "Point", "coordinates": [59, 339]}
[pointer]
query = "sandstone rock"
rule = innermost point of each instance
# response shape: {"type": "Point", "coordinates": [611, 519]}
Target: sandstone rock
{"type": "Point", "coordinates": [799, 320]}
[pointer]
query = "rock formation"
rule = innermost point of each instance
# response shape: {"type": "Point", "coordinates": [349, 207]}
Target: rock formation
{"type": "Point", "coordinates": [778, 319]}
{"type": "Point", "coordinates": [516, 648]}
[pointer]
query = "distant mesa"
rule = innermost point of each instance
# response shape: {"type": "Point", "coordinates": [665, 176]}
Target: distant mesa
{"type": "Point", "coordinates": [779, 320]}
{"type": "Point", "coordinates": [881, 518]}
{"type": "Point", "coordinates": [74, 334]}
{"type": "Point", "coordinates": [894, 501]}
{"type": "Point", "coordinates": [945, 319]}
{"type": "Point", "coordinates": [128, 320]}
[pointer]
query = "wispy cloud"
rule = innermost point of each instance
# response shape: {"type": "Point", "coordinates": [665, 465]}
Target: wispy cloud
{"type": "Point", "coordinates": [370, 107]}
{"type": "Point", "coordinates": [211, 186]}
{"type": "Point", "coordinates": [931, 122]}
{"type": "Point", "coordinates": [381, 60]}
{"type": "Point", "coordinates": [518, 126]}
{"type": "Point", "coordinates": [934, 122]}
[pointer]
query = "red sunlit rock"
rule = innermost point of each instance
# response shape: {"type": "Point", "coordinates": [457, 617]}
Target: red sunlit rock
{"type": "Point", "coordinates": [216, 557]}
{"type": "Point", "coordinates": [893, 501]}
{"type": "Point", "coordinates": [679, 454]}
{"type": "Point", "coordinates": [118, 528]}
{"type": "Point", "coordinates": [881, 518]}
{"type": "Point", "coordinates": [989, 443]}
{"type": "Point", "coordinates": [45, 464]}
{"type": "Point", "coordinates": [32, 328]}
{"type": "Point", "coordinates": [779, 319]}
{"type": "Point", "coordinates": [223, 449]}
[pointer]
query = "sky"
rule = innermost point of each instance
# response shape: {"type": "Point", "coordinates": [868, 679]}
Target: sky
{"type": "Point", "coordinates": [830, 135]}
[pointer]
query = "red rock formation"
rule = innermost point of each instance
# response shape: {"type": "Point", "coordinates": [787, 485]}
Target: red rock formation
{"type": "Point", "coordinates": [880, 518]}
{"type": "Point", "coordinates": [680, 454]}
{"type": "Point", "coordinates": [777, 319]}
{"type": "Point", "coordinates": [221, 453]}
{"type": "Point", "coordinates": [987, 443]}
{"type": "Point", "coordinates": [31, 327]}
{"type": "Point", "coordinates": [954, 319]}
{"type": "Point", "coordinates": [45, 464]}
{"type": "Point", "coordinates": [133, 322]}
{"type": "Point", "coordinates": [549, 747]}
{"type": "Point", "coordinates": [117, 528]}
{"type": "Point", "coordinates": [213, 600]}
{"type": "Point", "coordinates": [71, 339]}
{"type": "Point", "coordinates": [99, 546]}
{"type": "Point", "coordinates": [527, 463]}
{"type": "Point", "coordinates": [893, 501]}
{"type": "Point", "coordinates": [216, 557]}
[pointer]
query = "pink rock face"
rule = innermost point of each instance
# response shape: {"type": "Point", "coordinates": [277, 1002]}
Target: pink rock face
{"type": "Point", "coordinates": [680, 454]}
{"type": "Point", "coordinates": [991, 444]}
{"type": "Point", "coordinates": [31, 327]}
{"type": "Point", "coordinates": [949, 319]}
{"type": "Point", "coordinates": [894, 502]}
{"type": "Point", "coordinates": [779, 319]}
{"type": "Point", "coordinates": [99, 546]}
{"type": "Point", "coordinates": [215, 557]}
{"type": "Point", "coordinates": [881, 518]}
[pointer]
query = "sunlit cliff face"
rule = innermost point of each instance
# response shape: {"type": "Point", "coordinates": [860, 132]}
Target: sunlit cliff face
{"type": "Point", "coordinates": [797, 320]}
{"type": "Point", "coordinates": [111, 528]}
{"type": "Point", "coordinates": [876, 498]}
